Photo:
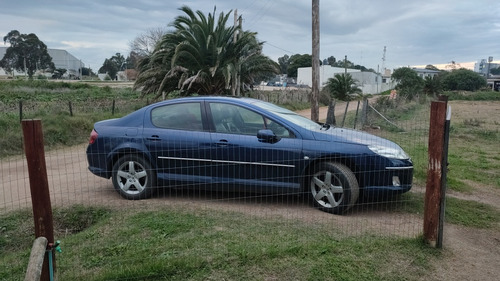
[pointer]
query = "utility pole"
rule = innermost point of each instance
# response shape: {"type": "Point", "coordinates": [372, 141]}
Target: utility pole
{"type": "Point", "coordinates": [345, 65]}
{"type": "Point", "coordinates": [383, 60]}
{"type": "Point", "coordinates": [490, 59]}
{"type": "Point", "coordinates": [315, 61]}
{"type": "Point", "coordinates": [238, 73]}
{"type": "Point", "coordinates": [235, 38]}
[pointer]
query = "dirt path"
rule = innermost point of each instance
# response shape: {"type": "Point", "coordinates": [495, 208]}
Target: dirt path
{"type": "Point", "coordinates": [340, 108]}
{"type": "Point", "coordinates": [469, 254]}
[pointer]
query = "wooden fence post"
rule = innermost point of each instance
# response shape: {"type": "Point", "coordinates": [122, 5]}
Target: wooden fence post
{"type": "Point", "coordinates": [330, 115]}
{"type": "Point", "coordinates": [364, 113]}
{"type": "Point", "coordinates": [39, 186]}
{"type": "Point", "coordinates": [433, 192]}
{"type": "Point", "coordinates": [345, 114]}
{"type": "Point", "coordinates": [35, 265]}
{"type": "Point", "coordinates": [356, 116]}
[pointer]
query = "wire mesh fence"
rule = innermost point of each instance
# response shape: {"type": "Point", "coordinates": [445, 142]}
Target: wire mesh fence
{"type": "Point", "coordinates": [72, 184]}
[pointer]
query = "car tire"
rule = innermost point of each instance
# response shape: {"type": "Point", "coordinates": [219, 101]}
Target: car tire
{"type": "Point", "coordinates": [133, 177]}
{"type": "Point", "coordinates": [333, 187]}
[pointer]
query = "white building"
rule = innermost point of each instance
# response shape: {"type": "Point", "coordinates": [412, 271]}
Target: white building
{"type": "Point", "coordinates": [423, 72]}
{"type": "Point", "coordinates": [483, 66]}
{"type": "Point", "coordinates": [304, 74]}
{"type": "Point", "coordinates": [60, 58]}
{"type": "Point", "coordinates": [368, 82]}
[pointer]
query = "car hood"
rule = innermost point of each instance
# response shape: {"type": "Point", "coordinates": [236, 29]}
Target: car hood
{"type": "Point", "coordinates": [344, 135]}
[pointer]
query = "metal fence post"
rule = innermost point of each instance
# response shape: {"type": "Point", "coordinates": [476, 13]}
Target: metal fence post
{"type": "Point", "coordinates": [444, 169]}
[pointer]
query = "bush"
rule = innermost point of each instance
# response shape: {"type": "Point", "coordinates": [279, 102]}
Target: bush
{"type": "Point", "coordinates": [462, 80]}
{"type": "Point", "coordinates": [477, 96]}
{"type": "Point", "coordinates": [410, 85]}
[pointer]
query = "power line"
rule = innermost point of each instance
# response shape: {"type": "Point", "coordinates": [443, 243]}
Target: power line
{"type": "Point", "coordinates": [259, 14]}
{"type": "Point", "coordinates": [287, 51]}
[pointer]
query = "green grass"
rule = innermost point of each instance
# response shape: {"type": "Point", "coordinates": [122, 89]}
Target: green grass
{"type": "Point", "coordinates": [457, 211]}
{"type": "Point", "coordinates": [470, 213]}
{"type": "Point", "coordinates": [50, 102]}
{"type": "Point", "coordinates": [172, 244]}
{"type": "Point", "coordinates": [473, 148]}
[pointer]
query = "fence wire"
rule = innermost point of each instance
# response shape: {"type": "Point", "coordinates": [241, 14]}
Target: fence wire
{"type": "Point", "coordinates": [72, 184]}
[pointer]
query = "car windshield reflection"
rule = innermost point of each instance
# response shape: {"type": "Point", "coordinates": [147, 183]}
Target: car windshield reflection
{"type": "Point", "coordinates": [289, 115]}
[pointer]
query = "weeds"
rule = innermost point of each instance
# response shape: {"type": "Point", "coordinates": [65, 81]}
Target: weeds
{"type": "Point", "coordinates": [473, 122]}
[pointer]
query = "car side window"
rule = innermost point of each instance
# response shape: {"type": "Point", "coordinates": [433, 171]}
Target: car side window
{"type": "Point", "coordinates": [181, 116]}
{"type": "Point", "coordinates": [234, 119]}
{"type": "Point", "coordinates": [278, 129]}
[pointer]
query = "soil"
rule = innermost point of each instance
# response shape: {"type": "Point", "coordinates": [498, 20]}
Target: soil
{"type": "Point", "coordinates": [468, 253]}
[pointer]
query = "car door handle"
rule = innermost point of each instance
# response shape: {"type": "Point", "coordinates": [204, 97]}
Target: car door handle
{"type": "Point", "coordinates": [154, 138]}
{"type": "Point", "coordinates": [222, 142]}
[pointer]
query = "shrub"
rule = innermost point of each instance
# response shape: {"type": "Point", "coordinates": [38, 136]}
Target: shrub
{"type": "Point", "coordinates": [462, 80]}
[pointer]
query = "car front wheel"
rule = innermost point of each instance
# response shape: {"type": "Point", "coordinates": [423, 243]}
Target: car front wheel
{"type": "Point", "coordinates": [333, 187]}
{"type": "Point", "coordinates": [133, 177]}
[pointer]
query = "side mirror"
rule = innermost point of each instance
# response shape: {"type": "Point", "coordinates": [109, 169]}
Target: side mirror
{"type": "Point", "coordinates": [267, 136]}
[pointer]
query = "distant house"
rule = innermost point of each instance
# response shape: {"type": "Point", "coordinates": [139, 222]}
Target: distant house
{"type": "Point", "coordinates": [60, 58]}
{"type": "Point", "coordinates": [423, 72]}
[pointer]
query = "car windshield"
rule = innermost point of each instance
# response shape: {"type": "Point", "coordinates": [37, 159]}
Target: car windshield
{"type": "Point", "coordinates": [289, 115]}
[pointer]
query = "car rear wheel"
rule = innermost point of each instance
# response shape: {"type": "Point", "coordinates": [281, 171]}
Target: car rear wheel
{"type": "Point", "coordinates": [333, 187]}
{"type": "Point", "coordinates": [133, 177]}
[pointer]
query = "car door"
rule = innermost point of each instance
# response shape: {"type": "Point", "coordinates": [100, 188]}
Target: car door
{"type": "Point", "coordinates": [242, 159]}
{"type": "Point", "coordinates": [178, 142]}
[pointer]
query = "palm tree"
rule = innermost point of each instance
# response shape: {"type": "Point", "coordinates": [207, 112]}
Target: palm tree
{"type": "Point", "coordinates": [432, 85]}
{"type": "Point", "coordinates": [343, 87]}
{"type": "Point", "coordinates": [200, 56]}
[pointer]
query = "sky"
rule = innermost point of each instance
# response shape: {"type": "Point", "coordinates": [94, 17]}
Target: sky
{"type": "Point", "coordinates": [413, 32]}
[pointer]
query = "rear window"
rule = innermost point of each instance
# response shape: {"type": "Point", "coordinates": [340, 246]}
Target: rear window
{"type": "Point", "coordinates": [181, 116]}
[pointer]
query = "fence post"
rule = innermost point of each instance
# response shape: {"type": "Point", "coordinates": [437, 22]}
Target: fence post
{"type": "Point", "coordinates": [330, 115]}
{"type": "Point", "coordinates": [37, 257]}
{"type": "Point", "coordinates": [39, 186]}
{"type": "Point", "coordinates": [356, 116]}
{"type": "Point", "coordinates": [364, 112]}
{"type": "Point", "coordinates": [70, 109]}
{"type": "Point", "coordinates": [345, 113]}
{"type": "Point", "coordinates": [433, 192]}
{"type": "Point", "coordinates": [113, 108]}
{"type": "Point", "coordinates": [444, 170]}
{"type": "Point", "coordinates": [20, 110]}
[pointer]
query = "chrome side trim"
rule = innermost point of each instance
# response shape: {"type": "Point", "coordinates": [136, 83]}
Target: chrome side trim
{"type": "Point", "coordinates": [229, 162]}
{"type": "Point", "coordinates": [186, 159]}
{"type": "Point", "coordinates": [399, 168]}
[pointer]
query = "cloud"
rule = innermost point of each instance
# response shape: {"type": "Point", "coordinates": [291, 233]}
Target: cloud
{"type": "Point", "coordinates": [414, 32]}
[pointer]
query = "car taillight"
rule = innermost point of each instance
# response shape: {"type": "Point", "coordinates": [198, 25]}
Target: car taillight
{"type": "Point", "coordinates": [93, 137]}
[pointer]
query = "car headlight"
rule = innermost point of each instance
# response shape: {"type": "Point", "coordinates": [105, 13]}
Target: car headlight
{"type": "Point", "coordinates": [389, 152]}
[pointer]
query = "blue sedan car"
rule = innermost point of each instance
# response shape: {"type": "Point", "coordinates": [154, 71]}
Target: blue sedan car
{"type": "Point", "coordinates": [246, 145]}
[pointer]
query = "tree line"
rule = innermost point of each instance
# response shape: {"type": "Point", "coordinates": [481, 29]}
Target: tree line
{"type": "Point", "coordinates": [411, 85]}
